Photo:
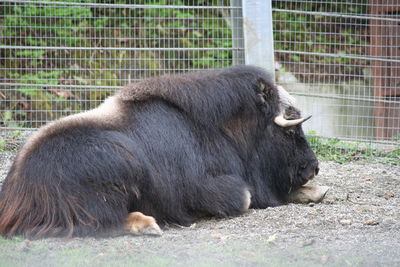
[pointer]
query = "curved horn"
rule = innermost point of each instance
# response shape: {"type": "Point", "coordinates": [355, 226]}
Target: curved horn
{"type": "Point", "coordinates": [281, 121]}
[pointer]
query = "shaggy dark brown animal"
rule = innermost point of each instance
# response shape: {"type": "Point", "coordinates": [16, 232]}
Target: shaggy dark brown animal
{"type": "Point", "coordinates": [174, 148]}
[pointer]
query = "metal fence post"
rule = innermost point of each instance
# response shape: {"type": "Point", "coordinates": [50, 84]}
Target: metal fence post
{"type": "Point", "coordinates": [258, 35]}
{"type": "Point", "coordinates": [237, 32]}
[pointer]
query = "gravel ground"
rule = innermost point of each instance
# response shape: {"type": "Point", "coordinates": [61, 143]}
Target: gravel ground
{"type": "Point", "coordinates": [357, 224]}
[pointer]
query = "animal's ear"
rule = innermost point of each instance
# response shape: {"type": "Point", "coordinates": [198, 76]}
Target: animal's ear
{"type": "Point", "coordinates": [263, 91]}
{"type": "Point", "coordinates": [292, 113]}
{"type": "Point", "coordinates": [264, 88]}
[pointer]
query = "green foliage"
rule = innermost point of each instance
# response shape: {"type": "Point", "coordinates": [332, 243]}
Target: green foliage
{"type": "Point", "coordinates": [31, 53]}
{"type": "Point", "coordinates": [2, 148]}
{"type": "Point", "coordinates": [42, 99]}
{"type": "Point", "coordinates": [66, 20]}
{"type": "Point", "coordinates": [342, 151]}
{"type": "Point", "coordinates": [292, 31]}
{"type": "Point", "coordinates": [10, 141]}
{"type": "Point", "coordinates": [42, 77]}
{"type": "Point", "coordinates": [80, 26]}
{"type": "Point", "coordinates": [188, 33]}
{"type": "Point", "coordinates": [7, 118]}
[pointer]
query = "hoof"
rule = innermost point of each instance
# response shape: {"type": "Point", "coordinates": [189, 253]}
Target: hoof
{"type": "Point", "coordinates": [153, 230]}
{"type": "Point", "coordinates": [139, 224]}
{"type": "Point", "coordinates": [307, 194]}
{"type": "Point", "coordinates": [247, 199]}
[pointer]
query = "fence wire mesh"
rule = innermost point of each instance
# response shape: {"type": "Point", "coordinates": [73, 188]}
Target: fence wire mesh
{"type": "Point", "coordinates": [63, 57]}
{"type": "Point", "coordinates": [342, 61]}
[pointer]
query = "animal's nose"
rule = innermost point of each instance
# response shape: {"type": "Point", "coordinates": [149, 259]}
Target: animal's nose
{"type": "Point", "coordinates": [316, 167]}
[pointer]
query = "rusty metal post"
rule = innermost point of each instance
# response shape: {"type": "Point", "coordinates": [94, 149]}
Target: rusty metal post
{"type": "Point", "coordinates": [377, 71]}
{"type": "Point", "coordinates": [385, 44]}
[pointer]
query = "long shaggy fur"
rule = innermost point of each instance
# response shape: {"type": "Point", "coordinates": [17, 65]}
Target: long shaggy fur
{"type": "Point", "coordinates": [174, 147]}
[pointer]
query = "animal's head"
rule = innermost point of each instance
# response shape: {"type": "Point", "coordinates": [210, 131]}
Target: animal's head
{"type": "Point", "coordinates": [291, 161]}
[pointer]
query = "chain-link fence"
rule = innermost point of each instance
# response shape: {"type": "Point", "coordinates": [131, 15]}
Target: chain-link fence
{"type": "Point", "coordinates": [342, 61]}
{"type": "Point", "coordinates": [62, 57]}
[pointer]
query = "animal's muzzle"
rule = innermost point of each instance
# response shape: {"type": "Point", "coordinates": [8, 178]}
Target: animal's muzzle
{"type": "Point", "coordinates": [308, 172]}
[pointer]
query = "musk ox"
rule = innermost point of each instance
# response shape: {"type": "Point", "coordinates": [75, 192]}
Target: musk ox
{"type": "Point", "coordinates": [164, 150]}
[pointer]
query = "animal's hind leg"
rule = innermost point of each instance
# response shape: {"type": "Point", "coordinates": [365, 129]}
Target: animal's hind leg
{"type": "Point", "coordinates": [139, 224]}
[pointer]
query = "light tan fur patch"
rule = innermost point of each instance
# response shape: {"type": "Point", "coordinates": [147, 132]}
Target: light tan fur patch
{"type": "Point", "coordinates": [139, 224]}
{"type": "Point", "coordinates": [109, 113]}
{"type": "Point", "coordinates": [109, 110]}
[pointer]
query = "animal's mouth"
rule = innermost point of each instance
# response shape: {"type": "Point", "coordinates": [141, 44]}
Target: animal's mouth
{"type": "Point", "coordinates": [306, 180]}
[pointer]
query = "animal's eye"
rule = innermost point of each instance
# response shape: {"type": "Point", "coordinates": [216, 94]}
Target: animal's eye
{"type": "Point", "coordinates": [261, 98]}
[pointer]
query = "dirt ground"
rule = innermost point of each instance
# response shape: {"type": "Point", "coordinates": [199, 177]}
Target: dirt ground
{"type": "Point", "coordinates": [357, 224]}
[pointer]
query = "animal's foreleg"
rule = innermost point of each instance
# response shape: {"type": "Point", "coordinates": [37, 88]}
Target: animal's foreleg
{"type": "Point", "coordinates": [139, 224]}
{"type": "Point", "coordinates": [224, 196]}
